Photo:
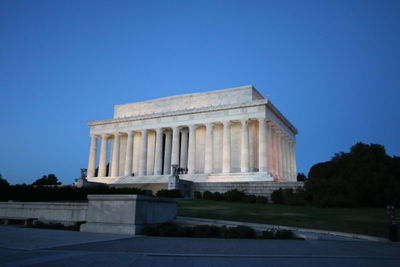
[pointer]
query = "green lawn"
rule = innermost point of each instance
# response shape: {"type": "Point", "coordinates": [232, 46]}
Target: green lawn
{"type": "Point", "coordinates": [368, 221]}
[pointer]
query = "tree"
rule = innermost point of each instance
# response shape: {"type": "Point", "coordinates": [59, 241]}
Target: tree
{"type": "Point", "coordinates": [51, 179]}
{"type": "Point", "coordinates": [3, 182]}
{"type": "Point", "coordinates": [301, 177]}
{"type": "Point", "coordinates": [365, 176]}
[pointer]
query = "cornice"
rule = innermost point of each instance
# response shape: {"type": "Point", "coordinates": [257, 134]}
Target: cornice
{"type": "Point", "coordinates": [180, 112]}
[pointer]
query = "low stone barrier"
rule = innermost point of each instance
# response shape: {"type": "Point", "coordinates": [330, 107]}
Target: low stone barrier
{"type": "Point", "coordinates": [65, 212]}
{"type": "Point", "coordinates": [126, 214]}
{"type": "Point", "coordinates": [117, 214]}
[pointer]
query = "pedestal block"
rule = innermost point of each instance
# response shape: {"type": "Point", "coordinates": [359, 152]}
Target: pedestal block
{"type": "Point", "coordinates": [126, 214]}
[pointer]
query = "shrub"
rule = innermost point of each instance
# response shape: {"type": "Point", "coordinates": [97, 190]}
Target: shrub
{"type": "Point", "coordinates": [197, 195]}
{"type": "Point", "coordinates": [185, 231]}
{"type": "Point", "coordinates": [284, 234]}
{"type": "Point", "coordinates": [277, 196]}
{"type": "Point", "coordinates": [296, 200]}
{"type": "Point", "coordinates": [206, 231]}
{"type": "Point", "coordinates": [174, 193]}
{"type": "Point", "coordinates": [288, 196]}
{"type": "Point", "coordinates": [276, 233]}
{"type": "Point", "coordinates": [207, 195]}
{"type": "Point", "coordinates": [268, 234]}
{"type": "Point", "coordinates": [231, 195]}
{"type": "Point", "coordinates": [171, 229]}
{"type": "Point", "coordinates": [218, 196]}
{"type": "Point", "coordinates": [62, 193]}
{"type": "Point", "coordinates": [249, 198]}
{"type": "Point", "coordinates": [261, 199]}
{"type": "Point", "coordinates": [57, 226]}
{"type": "Point", "coordinates": [234, 195]}
{"type": "Point", "coordinates": [150, 230]}
{"type": "Point", "coordinates": [168, 229]}
{"type": "Point", "coordinates": [239, 232]}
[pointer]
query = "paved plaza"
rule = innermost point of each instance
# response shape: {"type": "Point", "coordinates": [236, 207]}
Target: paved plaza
{"type": "Point", "coordinates": [40, 247]}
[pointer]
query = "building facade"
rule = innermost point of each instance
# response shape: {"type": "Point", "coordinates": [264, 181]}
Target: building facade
{"type": "Point", "coordinates": [226, 135]}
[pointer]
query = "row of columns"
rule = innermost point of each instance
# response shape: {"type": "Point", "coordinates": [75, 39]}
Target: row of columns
{"type": "Point", "coordinates": [275, 151]}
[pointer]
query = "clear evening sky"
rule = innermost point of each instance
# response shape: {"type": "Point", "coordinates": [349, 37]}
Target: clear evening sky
{"type": "Point", "coordinates": [331, 67]}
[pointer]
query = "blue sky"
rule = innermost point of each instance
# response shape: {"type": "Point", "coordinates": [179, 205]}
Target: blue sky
{"type": "Point", "coordinates": [331, 67]}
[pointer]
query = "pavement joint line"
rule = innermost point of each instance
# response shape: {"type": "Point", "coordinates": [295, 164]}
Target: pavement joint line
{"type": "Point", "coordinates": [264, 256]}
{"type": "Point", "coordinates": [84, 243]}
{"type": "Point", "coordinates": [259, 225]}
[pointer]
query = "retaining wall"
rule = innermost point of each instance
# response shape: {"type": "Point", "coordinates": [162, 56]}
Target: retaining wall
{"type": "Point", "coordinates": [118, 214]}
{"type": "Point", "coordinates": [45, 211]}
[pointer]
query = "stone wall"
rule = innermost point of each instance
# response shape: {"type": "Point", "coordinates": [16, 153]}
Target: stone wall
{"type": "Point", "coordinates": [126, 214]}
{"type": "Point", "coordinates": [118, 214]}
{"type": "Point", "coordinates": [255, 188]}
{"type": "Point", "coordinates": [45, 211]}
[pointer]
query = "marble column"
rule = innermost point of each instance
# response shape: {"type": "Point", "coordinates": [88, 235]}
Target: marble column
{"type": "Point", "coordinates": [110, 158]}
{"type": "Point", "coordinates": [226, 148]}
{"type": "Point", "coordinates": [280, 161]}
{"type": "Point", "coordinates": [285, 162]}
{"type": "Point", "coordinates": [158, 152]}
{"type": "Point", "coordinates": [192, 150]}
{"type": "Point", "coordinates": [277, 157]}
{"type": "Point", "coordinates": [262, 145]}
{"type": "Point", "coordinates": [244, 157]}
{"type": "Point", "coordinates": [175, 146]}
{"type": "Point", "coordinates": [294, 168]}
{"type": "Point", "coordinates": [208, 161]}
{"type": "Point", "coordinates": [92, 156]}
{"type": "Point", "coordinates": [282, 143]}
{"type": "Point", "coordinates": [276, 153]}
{"type": "Point", "coordinates": [273, 151]}
{"type": "Point", "coordinates": [270, 166]}
{"type": "Point", "coordinates": [167, 153]}
{"type": "Point", "coordinates": [115, 157]}
{"type": "Point", "coordinates": [143, 154]}
{"type": "Point", "coordinates": [288, 161]}
{"type": "Point", "coordinates": [184, 148]}
{"type": "Point", "coordinates": [129, 154]}
{"type": "Point", "coordinates": [103, 156]}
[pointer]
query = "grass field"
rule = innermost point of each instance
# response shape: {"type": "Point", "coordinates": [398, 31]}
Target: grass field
{"type": "Point", "coordinates": [368, 221]}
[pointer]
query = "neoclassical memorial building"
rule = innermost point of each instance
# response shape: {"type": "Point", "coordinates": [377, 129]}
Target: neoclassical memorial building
{"type": "Point", "coordinates": [230, 135]}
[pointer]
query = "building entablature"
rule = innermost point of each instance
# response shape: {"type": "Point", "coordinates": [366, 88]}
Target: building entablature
{"type": "Point", "coordinates": [183, 120]}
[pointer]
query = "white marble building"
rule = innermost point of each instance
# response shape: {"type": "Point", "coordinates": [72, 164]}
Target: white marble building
{"type": "Point", "coordinates": [230, 135]}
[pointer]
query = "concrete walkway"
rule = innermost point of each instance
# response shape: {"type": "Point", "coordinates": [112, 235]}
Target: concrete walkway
{"type": "Point", "coordinates": [38, 247]}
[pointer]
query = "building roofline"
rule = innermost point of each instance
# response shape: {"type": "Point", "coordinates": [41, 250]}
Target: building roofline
{"type": "Point", "coordinates": [283, 118]}
{"type": "Point", "coordinates": [192, 94]}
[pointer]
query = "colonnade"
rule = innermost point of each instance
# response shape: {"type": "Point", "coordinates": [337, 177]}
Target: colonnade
{"type": "Point", "coordinates": [177, 145]}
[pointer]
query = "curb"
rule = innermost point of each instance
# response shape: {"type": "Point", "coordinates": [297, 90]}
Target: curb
{"type": "Point", "coordinates": [192, 220]}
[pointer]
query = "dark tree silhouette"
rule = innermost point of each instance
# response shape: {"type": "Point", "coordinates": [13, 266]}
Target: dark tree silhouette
{"type": "Point", "coordinates": [50, 179]}
{"type": "Point", "coordinates": [301, 177]}
{"type": "Point", "coordinates": [3, 182]}
{"type": "Point", "coordinates": [365, 176]}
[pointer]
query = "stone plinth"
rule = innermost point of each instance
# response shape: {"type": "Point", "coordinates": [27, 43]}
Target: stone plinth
{"type": "Point", "coordinates": [126, 214]}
